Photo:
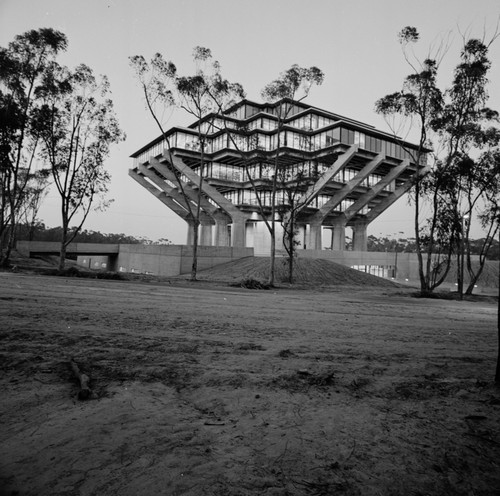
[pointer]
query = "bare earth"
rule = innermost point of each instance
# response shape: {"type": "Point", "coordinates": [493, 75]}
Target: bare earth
{"type": "Point", "coordinates": [211, 390]}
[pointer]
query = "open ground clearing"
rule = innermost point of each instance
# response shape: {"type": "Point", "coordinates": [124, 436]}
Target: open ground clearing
{"type": "Point", "coordinates": [211, 390]}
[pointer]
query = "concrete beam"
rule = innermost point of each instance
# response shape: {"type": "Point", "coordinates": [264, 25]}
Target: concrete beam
{"type": "Point", "coordinates": [179, 209]}
{"type": "Point", "coordinates": [207, 189]}
{"type": "Point", "coordinates": [394, 196]}
{"type": "Point", "coordinates": [348, 188]}
{"type": "Point", "coordinates": [170, 191]}
{"type": "Point", "coordinates": [316, 188]}
{"type": "Point", "coordinates": [187, 189]}
{"type": "Point", "coordinates": [363, 200]}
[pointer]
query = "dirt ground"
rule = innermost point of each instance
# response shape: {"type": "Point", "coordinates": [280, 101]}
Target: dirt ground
{"type": "Point", "coordinates": [211, 390]}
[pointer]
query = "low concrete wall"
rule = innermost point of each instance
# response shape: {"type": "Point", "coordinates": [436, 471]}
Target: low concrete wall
{"type": "Point", "coordinates": [161, 260]}
{"type": "Point", "coordinates": [30, 248]}
{"type": "Point", "coordinates": [355, 257]}
{"type": "Point", "coordinates": [149, 259]}
{"type": "Point", "coordinates": [210, 256]}
{"type": "Point", "coordinates": [404, 266]}
{"type": "Point", "coordinates": [173, 260]}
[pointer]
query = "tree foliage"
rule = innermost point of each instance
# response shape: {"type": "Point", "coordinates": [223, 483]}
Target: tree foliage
{"type": "Point", "coordinates": [77, 125]}
{"type": "Point", "coordinates": [200, 94]}
{"type": "Point", "coordinates": [457, 131]}
{"type": "Point", "coordinates": [292, 85]}
{"type": "Point", "coordinates": [40, 232]}
{"type": "Point", "coordinates": [25, 67]}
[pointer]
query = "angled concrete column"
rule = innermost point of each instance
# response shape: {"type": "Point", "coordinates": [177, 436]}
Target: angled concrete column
{"type": "Point", "coordinates": [238, 233]}
{"type": "Point", "coordinates": [360, 239]}
{"type": "Point", "coordinates": [206, 235]}
{"type": "Point", "coordinates": [221, 232]}
{"type": "Point", "coordinates": [338, 240]}
{"type": "Point", "coordinates": [363, 200]}
{"type": "Point", "coordinates": [315, 241]}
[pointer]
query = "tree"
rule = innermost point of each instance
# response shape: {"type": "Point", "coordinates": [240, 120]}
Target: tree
{"type": "Point", "coordinates": [497, 372]}
{"type": "Point", "coordinates": [36, 190]}
{"type": "Point", "coordinates": [24, 68]}
{"type": "Point", "coordinates": [457, 124]}
{"type": "Point", "coordinates": [199, 95]}
{"type": "Point", "coordinates": [481, 187]}
{"type": "Point", "coordinates": [293, 185]}
{"type": "Point", "coordinates": [76, 124]}
{"type": "Point", "coordinates": [293, 84]}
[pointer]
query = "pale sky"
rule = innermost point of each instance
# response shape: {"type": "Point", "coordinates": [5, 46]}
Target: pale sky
{"type": "Point", "coordinates": [354, 43]}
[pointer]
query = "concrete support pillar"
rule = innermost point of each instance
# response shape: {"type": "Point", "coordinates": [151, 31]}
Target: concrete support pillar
{"type": "Point", "coordinates": [238, 233]}
{"type": "Point", "coordinates": [315, 241]}
{"type": "Point", "coordinates": [190, 234]}
{"type": "Point", "coordinates": [338, 241]}
{"type": "Point", "coordinates": [221, 232]}
{"type": "Point", "coordinates": [330, 233]}
{"type": "Point", "coordinates": [206, 235]}
{"type": "Point", "coordinates": [301, 237]}
{"type": "Point", "coordinates": [360, 239]}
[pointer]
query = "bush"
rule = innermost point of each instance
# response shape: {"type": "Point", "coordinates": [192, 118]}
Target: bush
{"type": "Point", "coordinates": [251, 283]}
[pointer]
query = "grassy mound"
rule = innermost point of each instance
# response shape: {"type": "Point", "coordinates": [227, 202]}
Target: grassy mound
{"type": "Point", "coordinates": [308, 272]}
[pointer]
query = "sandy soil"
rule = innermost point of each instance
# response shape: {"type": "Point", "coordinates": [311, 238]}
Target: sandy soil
{"type": "Point", "coordinates": [206, 390]}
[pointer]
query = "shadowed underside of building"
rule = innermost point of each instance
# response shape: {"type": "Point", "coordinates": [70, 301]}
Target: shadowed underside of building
{"type": "Point", "coordinates": [333, 172]}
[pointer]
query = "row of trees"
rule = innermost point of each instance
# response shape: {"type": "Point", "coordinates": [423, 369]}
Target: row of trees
{"type": "Point", "coordinates": [459, 135]}
{"type": "Point", "coordinates": [56, 129]}
{"type": "Point", "coordinates": [409, 245]}
{"type": "Point", "coordinates": [38, 231]}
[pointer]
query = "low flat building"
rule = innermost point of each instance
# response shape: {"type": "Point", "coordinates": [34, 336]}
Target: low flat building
{"type": "Point", "coordinates": [334, 172]}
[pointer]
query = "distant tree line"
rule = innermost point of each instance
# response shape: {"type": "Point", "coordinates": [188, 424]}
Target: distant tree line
{"type": "Point", "coordinates": [408, 245]}
{"type": "Point", "coordinates": [39, 232]}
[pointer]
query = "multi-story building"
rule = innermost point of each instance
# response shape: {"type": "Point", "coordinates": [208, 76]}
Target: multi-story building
{"type": "Point", "coordinates": [335, 171]}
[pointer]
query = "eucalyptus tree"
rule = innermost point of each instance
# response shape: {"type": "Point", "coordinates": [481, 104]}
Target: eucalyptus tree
{"type": "Point", "coordinates": [25, 67]}
{"type": "Point", "coordinates": [293, 185]}
{"type": "Point", "coordinates": [35, 192]}
{"type": "Point", "coordinates": [77, 126]}
{"type": "Point", "coordinates": [204, 93]}
{"type": "Point", "coordinates": [293, 85]}
{"type": "Point", "coordinates": [200, 94]}
{"type": "Point", "coordinates": [452, 126]}
{"type": "Point", "coordinates": [482, 194]}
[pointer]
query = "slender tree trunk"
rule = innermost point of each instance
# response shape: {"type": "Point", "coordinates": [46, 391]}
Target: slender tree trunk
{"type": "Point", "coordinates": [460, 267]}
{"type": "Point", "coordinates": [423, 285]}
{"type": "Point", "coordinates": [62, 256]}
{"type": "Point", "coordinates": [194, 265]}
{"type": "Point", "coordinates": [474, 276]}
{"type": "Point", "coordinates": [11, 240]}
{"type": "Point", "coordinates": [272, 253]}
{"type": "Point", "coordinates": [497, 373]}
{"type": "Point", "coordinates": [291, 246]}
{"type": "Point", "coordinates": [64, 245]}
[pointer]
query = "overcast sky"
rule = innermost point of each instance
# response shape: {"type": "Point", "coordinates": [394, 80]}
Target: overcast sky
{"type": "Point", "coordinates": [354, 42]}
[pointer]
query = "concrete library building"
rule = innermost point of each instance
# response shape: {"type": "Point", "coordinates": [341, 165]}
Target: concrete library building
{"type": "Point", "coordinates": [343, 175]}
